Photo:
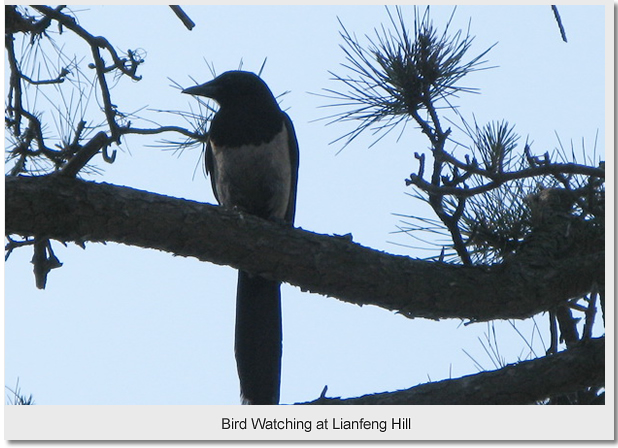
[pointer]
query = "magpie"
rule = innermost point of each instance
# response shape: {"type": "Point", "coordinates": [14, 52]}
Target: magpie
{"type": "Point", "coordinates": [252, 161]}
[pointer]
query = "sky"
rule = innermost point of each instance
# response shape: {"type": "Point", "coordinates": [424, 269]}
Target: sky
{"type": "Point", "coordinates": [123, 325]}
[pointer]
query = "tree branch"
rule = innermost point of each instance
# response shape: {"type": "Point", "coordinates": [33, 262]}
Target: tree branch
{"type": "Point", "coordinates": [127, 67]}
{"type": "Point", "coordinates": [85, 153]}
{"type": "Point", "coordinates": [74, 210]}
{"type": "Point", "coordinates": [498, 179]}
{"type": "Point", "coordinates": [527, 382]}
{"type": "Point", "coordinates": [185, 19]}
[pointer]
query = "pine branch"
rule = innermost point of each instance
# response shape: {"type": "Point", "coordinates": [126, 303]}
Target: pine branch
{"type": "Point", "coordinates": [527, 382]}
{"type": "Point", "coordinates": [55, 207]}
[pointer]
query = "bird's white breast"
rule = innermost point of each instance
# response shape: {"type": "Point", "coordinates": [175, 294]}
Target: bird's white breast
{"type": "Point", "coordinates": [256, 178]}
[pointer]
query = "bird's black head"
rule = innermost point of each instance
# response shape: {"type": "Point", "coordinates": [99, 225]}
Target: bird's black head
{"type": "Point", "coordinates": [235, 88]}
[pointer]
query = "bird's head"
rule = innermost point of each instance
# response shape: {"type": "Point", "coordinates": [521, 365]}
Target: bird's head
{"type": "Point", "coordinates": [235, 88]}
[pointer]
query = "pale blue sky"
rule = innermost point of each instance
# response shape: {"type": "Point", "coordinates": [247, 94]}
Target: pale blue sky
{"type": "Point", "coordinates": [122, 325]}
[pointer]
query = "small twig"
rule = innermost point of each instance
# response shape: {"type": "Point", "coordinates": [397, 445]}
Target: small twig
{"type": "Point", "coordinates": [44, 260]}
{"type": "Point", "coordinates": [20, 165]}
{"type": "Point", "coordinates": [553, 334]}
{"type": "Point", "coordinates": [15, 91]}
{"type": "Point", "coordinates": [567, 325]}
{"type": "Point", "coordinates": [12, 245]}
{"type": "Point", "coordinates": [83, 156]}
{"type": "Point", "coordinates": [94, 41]}
{"type": "Point", "coordinates": [108, 107]}
{"type": "Point", "coordinates": [17, 398]}
{"type": "Point", "coordinates": [421, 164]}
{"type": "Point", "coordinates": [577, 307]}
{"type": "Point", "coordinates": [35, 129]}
{"type": "Point", "coordinates": [554, 169]}
{"type": "Point", "coordinates": [323, 394]}
{"type": "Point", "coordinates": [146, 131]}
{"type": "Point", "coordinates": [109, 158]}
{"type": "Point", "coordinates": [60, 79]}
{"type": "Point", "coordinates": [554, 8]}
{"type": "Point", "coordinates": [15, 22]}
{"type": "Point", "coordinates": [183, 17]}
{"type": "Point", "coordinates": [78, 134]}
{"type": "Point", "coordinates": [590, 313]}
{"type": "Point", "coordinates": [124, 65]}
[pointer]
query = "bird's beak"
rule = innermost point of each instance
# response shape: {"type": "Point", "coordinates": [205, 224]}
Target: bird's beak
{"type": "Point", "coordinates": [208, 90]}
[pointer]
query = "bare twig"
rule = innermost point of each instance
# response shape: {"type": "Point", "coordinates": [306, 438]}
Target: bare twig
{"type": "Point", "coordinates": [498, 179]}
{"type": "Point", "coordinates": [13, 244]}
{"type": "Point", "coordinates": [126, 66]}
{"type": "Point", "coordinates": [554, 8]}
{"type": "Point", "coordinates": [567, 325]}
{"type": "Point", "coordinates": [87, 152]}
{"type": "Point", "coordinates": [161, 130]}
{"type": "Point", "coordinates": [591, 311]}
{"type": "Point", "coordinates": [186, 20]}
{"type": "Point", "coordinates": [58, 80]}
{"type": "Point", "coordinates": [44, 260]}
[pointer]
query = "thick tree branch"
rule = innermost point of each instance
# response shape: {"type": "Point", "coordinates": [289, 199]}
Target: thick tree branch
{"type": "Point", "coordinates": [526, 382]}
{"type": "Point", "coordinates": [73, 210]}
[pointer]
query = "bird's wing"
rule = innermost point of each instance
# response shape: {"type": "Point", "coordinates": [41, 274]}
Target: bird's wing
{"type": "Point", "coordinates": [211, 168]}
{"type": "Point", "coordinates": [293, 148]}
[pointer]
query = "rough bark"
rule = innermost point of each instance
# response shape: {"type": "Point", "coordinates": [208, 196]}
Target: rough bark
{"type": "Point", "coordinates": [527, 382]}
{"type": "Point", "coordinates": [73, 210]}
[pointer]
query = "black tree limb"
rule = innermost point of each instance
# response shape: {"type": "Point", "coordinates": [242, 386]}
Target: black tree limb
{"type": "Point", "coordinates": [526, 382]}
{"type": "Point", "coordinates": [74, 210]}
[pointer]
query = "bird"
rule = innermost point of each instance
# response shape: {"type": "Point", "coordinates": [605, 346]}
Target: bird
{"type": "Point", "coordinates": [252, 159]}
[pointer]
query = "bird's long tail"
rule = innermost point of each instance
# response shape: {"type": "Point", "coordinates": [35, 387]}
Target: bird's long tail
{"type": "Point", "coordinates": [258, 338]}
